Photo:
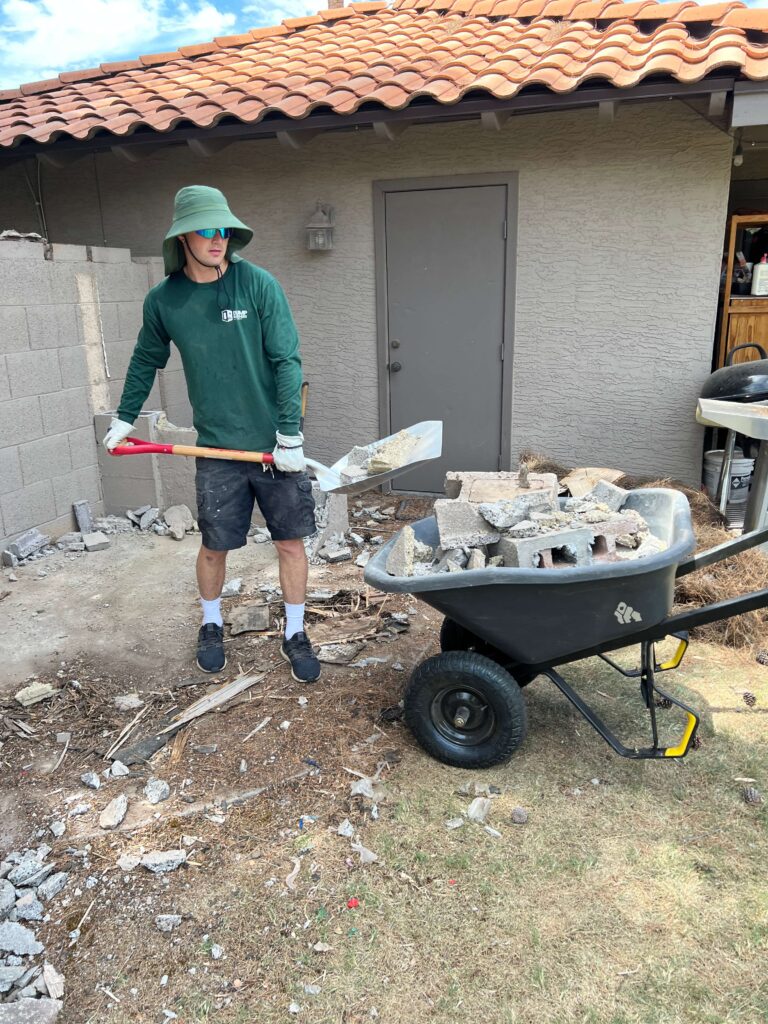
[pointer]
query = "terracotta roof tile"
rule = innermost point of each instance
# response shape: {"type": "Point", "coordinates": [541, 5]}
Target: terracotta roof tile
{"type": "Point", "coordinates": [371, 53]}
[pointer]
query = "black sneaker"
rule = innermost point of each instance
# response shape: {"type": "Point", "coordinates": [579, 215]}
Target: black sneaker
{"type": "Point", "coordinates": [210, 648]}
{"type": "Point", "coordinates": [305, 668]}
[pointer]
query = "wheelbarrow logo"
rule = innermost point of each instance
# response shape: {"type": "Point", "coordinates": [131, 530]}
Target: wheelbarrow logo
{"type": "Point", "coordinates": [625, 613]}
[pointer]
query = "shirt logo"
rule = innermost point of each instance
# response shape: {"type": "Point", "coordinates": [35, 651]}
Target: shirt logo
{"type": "Point", "coordinates": [228, 315]}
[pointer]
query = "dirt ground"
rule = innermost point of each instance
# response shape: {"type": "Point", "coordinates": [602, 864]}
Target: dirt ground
{"type": "Point", "coordinates": [633, 894]}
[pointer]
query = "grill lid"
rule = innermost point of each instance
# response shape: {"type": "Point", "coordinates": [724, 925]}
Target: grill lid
{"type": "Point", "coordinates": [744, 382]}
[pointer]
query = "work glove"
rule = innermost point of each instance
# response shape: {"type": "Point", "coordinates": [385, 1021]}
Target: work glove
{"type": "Point", "coordinates": [289, 453]}
{"type": "Point", "coordinates": [117, 433]}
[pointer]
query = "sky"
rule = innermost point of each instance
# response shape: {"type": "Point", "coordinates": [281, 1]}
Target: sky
{"type": "Point", "coordinates": [40, 38]}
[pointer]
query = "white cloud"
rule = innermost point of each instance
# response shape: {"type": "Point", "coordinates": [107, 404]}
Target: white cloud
{"type": "Point", "coordinates": [40, 38]}
{"type": "Point", "coordinates": [272, 12]}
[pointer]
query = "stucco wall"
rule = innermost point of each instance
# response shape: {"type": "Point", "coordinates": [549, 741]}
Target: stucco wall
{"type": "Point", "coordinates": [619, 243]}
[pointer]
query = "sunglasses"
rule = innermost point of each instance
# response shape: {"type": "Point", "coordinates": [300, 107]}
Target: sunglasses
{"type": "Point", "coordinates": [211, 232]}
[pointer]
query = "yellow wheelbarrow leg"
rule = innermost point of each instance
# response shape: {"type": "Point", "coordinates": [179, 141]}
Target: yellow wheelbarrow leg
{"type": "Point", "coordinates": [692, 724]}
{"type": "Point", "coordinates": [677, 657]}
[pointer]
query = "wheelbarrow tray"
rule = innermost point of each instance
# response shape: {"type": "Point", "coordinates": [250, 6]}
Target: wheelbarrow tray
{"type": "Point", "coordinates": [543, 617]}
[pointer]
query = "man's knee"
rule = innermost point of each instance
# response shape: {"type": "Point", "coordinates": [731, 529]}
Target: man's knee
{"type": "Point", "coordinates": [213, 557]}
{"type": "Point", "coordinates": [292, 549]}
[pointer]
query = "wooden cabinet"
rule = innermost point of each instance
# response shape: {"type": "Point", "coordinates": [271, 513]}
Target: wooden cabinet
{"type": "Point", "coordinates": [744, 317]}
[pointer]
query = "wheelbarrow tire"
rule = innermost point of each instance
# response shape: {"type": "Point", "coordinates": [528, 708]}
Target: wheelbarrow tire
{"type": "Point", "coordinates": [465, 710]}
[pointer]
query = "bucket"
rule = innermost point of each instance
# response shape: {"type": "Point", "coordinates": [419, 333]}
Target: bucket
{"type": "Point", "coordinates": [741, 474]}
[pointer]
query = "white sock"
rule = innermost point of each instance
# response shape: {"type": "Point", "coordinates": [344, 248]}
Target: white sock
{"type": "Point", "coordinates": [294, 619]}
{"type": "Point", "coordinates": [212, 611]}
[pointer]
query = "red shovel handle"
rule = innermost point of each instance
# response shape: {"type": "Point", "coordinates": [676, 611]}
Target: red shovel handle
{"type": "Point", "coordinates": [137, 447]}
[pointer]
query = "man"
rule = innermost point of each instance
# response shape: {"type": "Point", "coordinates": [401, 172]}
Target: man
{"type": "Point", "coordinates": [232, 325]}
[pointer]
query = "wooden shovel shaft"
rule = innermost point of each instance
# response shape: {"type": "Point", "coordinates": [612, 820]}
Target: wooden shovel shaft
{"type": "Point", "coordinates": [221, 453]}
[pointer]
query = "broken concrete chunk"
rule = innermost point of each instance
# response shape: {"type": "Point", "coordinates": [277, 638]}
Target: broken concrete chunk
{"type": "Point", "coordinates": [95, 541]}
{"type": "Point", "coordinates": [84, 516]}
{"type": "Point", "coordinates": [422, 552]}
{"type": "Point", "coordinates": [161, 861]}
{"type": "Point", "coordinates": [33, 694]}
{"type": "Point", "coordinates": [52, 886]}
{"type": "Point", "coordinates": [29, 907]}
{"type": "Point", "coordinates": [479, 809]}
{"type": "Point", "coordinates": [400, 558]}
{"type": "Point", "coordinates": [28, 543]}
{"type": "Point", "coordinates": [452, 561]}
{"type": "Point", "coordinates": [114, 812]}
{"type": "Point", "coordinates": [27, 1010]}
{"type": "Point", "coordinates": [149, 518]}
{"type": "Point", "coordinates": [15, 938]}
{"type": "Point", "coordinates": [232, 587]}
{"type": "Point", "coordinates": [54, 982]}
{"type": "Point", "coordinates": [128, 702]}
{"type": "Point", "coordinates": [118, 770]}
{"type": "Point", "coordinates": [339, 654]}
{"type": "Point", "coordinates": [128, 861]}
{"type": "Point", "coordinates": [9, 976]}
{"type": "Point", "coordinates": [29, 868]}
{"type": "Point", "coordinates": [58, 828]}
{"type": "Point", "coordinates": [156, 790]}
{"type": "Point", "coordinates": [178, 519]}
{"type": "Point", "coordinates": [495, 561]}
{"type": "Point", "coordinates": [508, 512]}
{"type": "Point", "coordinates": [476, 559]}
{"type": "Point", "coordinates": [251, 617]}
{"type": "Point", "coordinates": [335, 550]}
{"type": "Point", "coordinates": [167, 922]}
{"type": "Point", "coordinates": [7, 898]}
{"type": "Point", "coordinates": [608, 494]}
{"type": "Point", "coordinates": [461, 525]}
{"type": "Point", "coordinates": [91, 780]}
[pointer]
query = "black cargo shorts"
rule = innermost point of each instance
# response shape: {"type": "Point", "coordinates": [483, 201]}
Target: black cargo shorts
{"type": "Point", "coordinates": [226, 491]}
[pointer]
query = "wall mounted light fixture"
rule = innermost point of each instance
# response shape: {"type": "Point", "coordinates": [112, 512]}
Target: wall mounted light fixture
{"type": "Point", "coordinates": [320, 229]}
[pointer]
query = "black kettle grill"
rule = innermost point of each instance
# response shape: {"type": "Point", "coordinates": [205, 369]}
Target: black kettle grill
{"type": "Point", "coordinates": [744, 382]}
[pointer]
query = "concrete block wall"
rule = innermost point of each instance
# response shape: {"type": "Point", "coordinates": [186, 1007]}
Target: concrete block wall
{"type": "Point", "coordinates": [68, 323]}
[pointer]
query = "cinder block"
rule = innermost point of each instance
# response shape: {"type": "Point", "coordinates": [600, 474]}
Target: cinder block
{"type": "Point", "coordinates": [506, 513]}
{"type": "Point", "coordinates": [26, 284]}
{"type": "Point", "coordinates": [461, 525]}
{"type": "Point", "coordinates": [20, 420]}
{"type": "Point", "coordinates": [53, 326]}
{"type": "Point", "coordinates": [121, 493]}
{"type": "Point", "coordinates": [121, 282]}
{"type": "Point", "coordinates": [548, 550]}
{"type": "Point", "coordinates": [110, 254]}
{"type": "Point", "coordinates": [103, 313]}
{"type": "Point", "coordinates": [69, 253]}
{"type": "Point", "coordinates": [14, 335]}
{"type": "Point", "coordinates": [10, 470]}
{"type": "Point", "coordinates": [175, 400]}
{"type": "Point", "coordinates": [125, 467]}
{"type": "Point", "coordinates": [20, 249]}
{"type": "Point", "coordinates": [28, 507]}
{"type": "Point", "coordinates": [400, 558]}
{"type": "Point", "coordinates": [177, 476]}
{"type": "Point", "coordinates": [130, 318]}
{"type": "Point", "coordinates": [33, 373]}
{"type": "Point", "coordinates": [73, 365]}
{"type": "Point", "coordinates": [82, 447]}
{"type": "Point", "coordinates": [45, 458]}
{"type": "Point", "coordinates": [78, 485]}
{"type": "Point", "coordinates": [65, 410]}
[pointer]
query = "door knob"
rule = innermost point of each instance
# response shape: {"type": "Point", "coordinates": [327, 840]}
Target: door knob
{"type": "Point", "coordinates": [395, 367]}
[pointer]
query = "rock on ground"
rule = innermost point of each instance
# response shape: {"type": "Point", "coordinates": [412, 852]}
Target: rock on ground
{"type": "Point", "coordinates": [160, 861]}
{"type": "Point", "coordinates": [52, 886]}
{"type": "Point", "coordinates": [30, 1011]}
{"type": "Point", "coordinates": [15, 938]}
{"type": "Point", "coordinates": [156, 790]}
{"type": "Point", "coordinates": [114, 812]}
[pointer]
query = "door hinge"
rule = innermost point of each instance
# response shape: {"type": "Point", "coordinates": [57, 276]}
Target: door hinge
{"type": "Point", "coordinates": [504, 230]}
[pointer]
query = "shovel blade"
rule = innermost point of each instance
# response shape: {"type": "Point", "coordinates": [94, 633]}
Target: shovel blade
{"type": "Point", "coordinates": [429, 446]}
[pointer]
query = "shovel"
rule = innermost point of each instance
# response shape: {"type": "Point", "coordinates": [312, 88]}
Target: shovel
{"type": "Point", "coordinates": [428, 445]}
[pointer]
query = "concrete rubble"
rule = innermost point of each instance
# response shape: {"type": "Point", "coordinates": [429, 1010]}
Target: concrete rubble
{"type": "Point", "coordinates": [114, 812]}
{"type": "Point", "coordinates": [251, 617]}
{"type": "Point", "coordinates": [30, 987]}
{"type": "Point", "coordinates": [502, 520]}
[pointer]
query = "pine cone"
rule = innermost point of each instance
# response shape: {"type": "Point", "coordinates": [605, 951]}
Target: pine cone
{"type": "Point", "coordinates": [663, 702]}
{"type": "Point", "coordinates": [762, 657]}
{"type": "Point", "coordinates": [697, 742]}
{"type": "Point", "coordinates": [749, 699]}
{"type": "Point", "coordinates": [752, 795]}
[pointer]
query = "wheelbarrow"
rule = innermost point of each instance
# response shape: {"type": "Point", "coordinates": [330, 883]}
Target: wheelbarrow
{"type": "Point", "coordinates": [503, 627]}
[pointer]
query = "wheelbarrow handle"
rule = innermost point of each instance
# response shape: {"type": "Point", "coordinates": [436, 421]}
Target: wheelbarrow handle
{"type": "Point", "coordinates": [721, 551]}
{"type": "Point", "coordinates": [139, 447]}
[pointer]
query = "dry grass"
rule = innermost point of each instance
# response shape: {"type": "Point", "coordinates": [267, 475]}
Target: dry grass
{"type": "Point", "coordinates": [639, 900]}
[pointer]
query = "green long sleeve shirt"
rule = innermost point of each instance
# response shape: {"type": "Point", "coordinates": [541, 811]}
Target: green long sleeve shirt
{"type": "Point", "coordinates": [240, 352]}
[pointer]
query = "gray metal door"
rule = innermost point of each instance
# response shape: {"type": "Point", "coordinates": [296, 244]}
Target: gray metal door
{"type": "Point", "coordinates": [445, 294]}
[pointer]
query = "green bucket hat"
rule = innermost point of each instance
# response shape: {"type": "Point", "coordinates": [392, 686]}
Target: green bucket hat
{"type": "Point", "coordinates": [195, 208]}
